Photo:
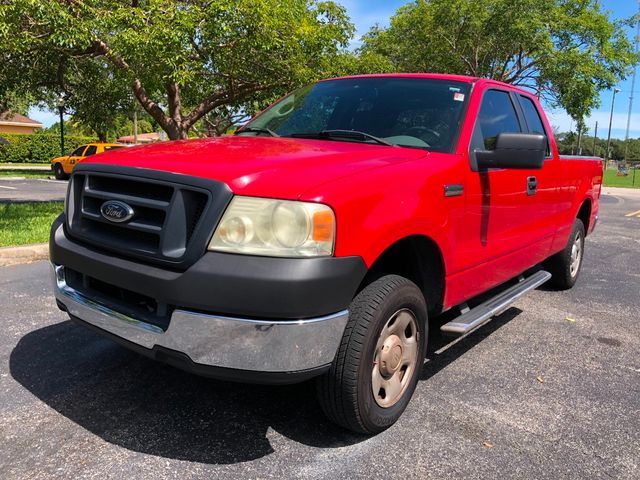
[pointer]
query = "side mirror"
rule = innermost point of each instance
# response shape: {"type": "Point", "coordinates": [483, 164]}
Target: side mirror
{"type": "Point", "coordinates": [514, 150]}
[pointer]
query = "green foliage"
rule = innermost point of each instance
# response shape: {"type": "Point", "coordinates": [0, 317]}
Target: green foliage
{"type": "Point", "coordinates": [565, 50]}
{"type": "Point", "coordinates": [37, 147]}
{"type": "Point", "coordinates": [568, 144]}
{"type": "Point", "coordinates": [179, 59]}
{"type": "Point", "coordinates": [120, 125]}
{"type": "Point", "coordinates": [24, 223]}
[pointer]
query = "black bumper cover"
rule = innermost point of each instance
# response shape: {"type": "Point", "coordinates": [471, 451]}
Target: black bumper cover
{"type": "Point", "coordinates": [227, 284]}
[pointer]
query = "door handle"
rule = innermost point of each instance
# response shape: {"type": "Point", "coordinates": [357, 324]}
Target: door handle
{"type": "Point", "coordinates": [532, 185]}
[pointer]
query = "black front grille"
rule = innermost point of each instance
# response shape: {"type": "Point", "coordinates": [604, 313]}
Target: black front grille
{"type": "Point", "coordinates": [174, 215]}
{"type": "Point", "coordinates": [121, 300]}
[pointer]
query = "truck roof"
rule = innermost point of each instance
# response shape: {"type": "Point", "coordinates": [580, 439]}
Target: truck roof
{"type": "Point", "coordinates": [437, 76]}
{"type": "Point", "coordinates": [440, 76]}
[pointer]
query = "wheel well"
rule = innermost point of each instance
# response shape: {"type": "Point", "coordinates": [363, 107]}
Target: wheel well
{"type": "Point", "coordinates": [584, 214]}
{"type": "Point", "coordinates": [417, 258]}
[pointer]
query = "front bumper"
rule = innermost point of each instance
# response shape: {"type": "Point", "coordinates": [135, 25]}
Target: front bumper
{"type": "Point", "coordinates": [250, 319]}
{"type": "Point", "coordinates": [263, 351]}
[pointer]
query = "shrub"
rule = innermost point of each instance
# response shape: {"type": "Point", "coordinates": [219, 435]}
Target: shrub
{"type": "Point", "coordinates": [37, 147]}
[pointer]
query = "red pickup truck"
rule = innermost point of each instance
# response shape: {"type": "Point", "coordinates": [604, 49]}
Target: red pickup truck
{"type": "Point", "coordinates": [320, 238]}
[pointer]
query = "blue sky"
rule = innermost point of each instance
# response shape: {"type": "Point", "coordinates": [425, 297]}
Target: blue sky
{"type": "Point", "coordinates": [366, 13]}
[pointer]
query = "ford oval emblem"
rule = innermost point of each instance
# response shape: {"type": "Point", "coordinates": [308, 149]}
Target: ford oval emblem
{"type": "Point", "coordinates": [116, 211]}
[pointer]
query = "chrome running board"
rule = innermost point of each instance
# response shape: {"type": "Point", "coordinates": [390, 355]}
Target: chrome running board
{"type": "Point", "coordinates": [478, 316]}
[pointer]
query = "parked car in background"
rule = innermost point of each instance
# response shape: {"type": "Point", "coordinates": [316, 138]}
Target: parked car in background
{"type": "Point", "coordinates": [63, 166]}
{"type": "Point", "coordinates": [318, 240]}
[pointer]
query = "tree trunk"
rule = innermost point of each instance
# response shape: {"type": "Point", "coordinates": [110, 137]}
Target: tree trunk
{"type": "Point", "coordinates": [175, 131]}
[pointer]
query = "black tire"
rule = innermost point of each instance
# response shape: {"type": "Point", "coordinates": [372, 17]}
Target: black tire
{"type": "Point", "coordinates": [345, 392]}
{"type": "Point", "coordinates": [561, 265]}
{"type": "Point", "coordinates": [58, 171]}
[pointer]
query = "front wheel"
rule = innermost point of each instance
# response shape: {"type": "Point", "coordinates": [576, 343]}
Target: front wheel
{"type": "Point", "coordinates": [379, 361]}
{"type": "Point", "coordinates": [59, 172]}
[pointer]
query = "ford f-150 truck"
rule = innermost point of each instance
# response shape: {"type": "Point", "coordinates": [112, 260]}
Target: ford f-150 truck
{"type": "Point", "coordinates": [318, 240]}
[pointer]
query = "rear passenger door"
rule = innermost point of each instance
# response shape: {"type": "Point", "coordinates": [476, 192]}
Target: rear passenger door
{"type": "Point", "coordinates": [545, 215]}
{"type": "Point", "coordinates": [503, 232]}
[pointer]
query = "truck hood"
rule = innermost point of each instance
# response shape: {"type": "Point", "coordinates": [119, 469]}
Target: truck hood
{"type": "Point", "coordinates": [261, 166]}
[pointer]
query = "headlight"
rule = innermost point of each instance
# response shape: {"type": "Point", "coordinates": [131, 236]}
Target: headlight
{"type": "Point", "coordinates": [277, 228]}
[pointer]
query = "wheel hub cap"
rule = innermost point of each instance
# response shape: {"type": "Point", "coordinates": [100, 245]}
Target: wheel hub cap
{"type": "Point", "coordinates": [391, 355]}
{"type": "Point", "coordinates": [396, 358]}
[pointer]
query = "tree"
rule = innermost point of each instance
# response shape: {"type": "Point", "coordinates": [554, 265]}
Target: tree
{"type": "Point", "coordinates": [95, 96]}
{"type": "Point", "coordinates": [179, 59]}
{"type": "Point", "coordinates": [120, 125]}
{"type": "Point", "coordinates": [222, 119]}
{"type": "Point", "coordinates": [566, 51]}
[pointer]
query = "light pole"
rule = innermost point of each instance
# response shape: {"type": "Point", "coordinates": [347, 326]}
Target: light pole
{"type": "Point", "coordinates": [633, 87]}
{"type": "Point", "coordinates": [613, 101]}
{"type": "Point", "coordinates": [61, 112]}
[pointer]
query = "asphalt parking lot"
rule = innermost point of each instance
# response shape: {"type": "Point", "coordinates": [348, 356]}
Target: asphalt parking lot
{"type": "Point", "coordinates": [32, 190]}
{"type": "Point", "coordinates": [549, 389]}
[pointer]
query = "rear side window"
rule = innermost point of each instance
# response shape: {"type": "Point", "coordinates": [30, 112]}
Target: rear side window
{"type": "Point", "coordinates": [91, 150]}
{"type": "Point", "coordinates": [532, 116]}
{"type": "Point", "coordinates": [497, 115]}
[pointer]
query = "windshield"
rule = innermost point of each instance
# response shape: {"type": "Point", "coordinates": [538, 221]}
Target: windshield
{"type": "Point", "coordinates": [410, 112]}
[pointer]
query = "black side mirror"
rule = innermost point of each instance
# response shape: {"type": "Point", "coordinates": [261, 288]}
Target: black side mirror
{"type": "Point", "coordinates": [514, 150]}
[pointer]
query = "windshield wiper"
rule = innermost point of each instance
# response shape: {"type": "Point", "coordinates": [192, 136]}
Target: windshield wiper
{"type": "Point", "coordinates": [355, 134]}
{"type": "Point", "coordinates": [257, 130]}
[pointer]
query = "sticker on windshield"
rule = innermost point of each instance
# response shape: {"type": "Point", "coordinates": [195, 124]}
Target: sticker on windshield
{"type": "Point", "coordinates": [458, 97]}
{"type": "Point", "coordinates": [454, 89]}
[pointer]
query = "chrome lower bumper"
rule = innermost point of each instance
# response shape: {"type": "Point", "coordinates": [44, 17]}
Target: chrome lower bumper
{"type": "Point", "coordinates": [218, 341]}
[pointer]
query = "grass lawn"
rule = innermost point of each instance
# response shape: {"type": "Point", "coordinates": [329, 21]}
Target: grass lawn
{"type": "Point", "coordinates": [23, 223]}
{"type": "Point", "coordinates": [25, 173]}
{"type": "Point", "coordinates": [612, 180]}
{"type": "Point", "coordinates": [18, 165]}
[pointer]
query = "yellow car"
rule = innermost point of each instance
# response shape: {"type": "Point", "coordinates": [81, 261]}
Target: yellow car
{"type": "Point", "coordinates": [63, 166]}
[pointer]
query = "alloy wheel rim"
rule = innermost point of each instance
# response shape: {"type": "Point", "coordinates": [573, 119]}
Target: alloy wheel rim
{"type": "Point", "coordinates": [395, 358]}
{"type": "Point", "coordinates": [576, 256]}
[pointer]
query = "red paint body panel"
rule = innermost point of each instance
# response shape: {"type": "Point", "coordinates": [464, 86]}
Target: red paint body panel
{"type": "Point", "coordinates": [380, 194]}
{"type": "Point", "coordinates": [262, 166]}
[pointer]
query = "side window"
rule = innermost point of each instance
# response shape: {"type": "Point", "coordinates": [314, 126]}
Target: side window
{"type": "Point", "coordinates": [532, 116]}
{"type": "Point", "coordinates": [78, 151]}
{"type": "Point", "coordinates": [91, 150]}
{"type": "Point", "coordinates": [497, 115]}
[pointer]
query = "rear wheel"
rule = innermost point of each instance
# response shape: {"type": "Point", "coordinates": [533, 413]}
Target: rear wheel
{"type": "Point", "coordinates": [59, 172]}
{"type": "Point", "coordinates": [379, 360]}
{"type": "Point", "coordinates": [565, 266]}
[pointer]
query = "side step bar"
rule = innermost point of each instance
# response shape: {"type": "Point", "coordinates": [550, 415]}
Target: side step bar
{"type": "Point", "coordinates": [478, 316]}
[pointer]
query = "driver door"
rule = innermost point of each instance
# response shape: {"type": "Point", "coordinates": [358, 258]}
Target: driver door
{"type": "Point", "coordinates": [73, 159]}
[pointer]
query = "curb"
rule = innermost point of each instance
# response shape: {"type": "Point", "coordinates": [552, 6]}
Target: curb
{"type": "Point", "coordinates": [50, 177]}
{"type": "Point", "coordinates": [23, 254]}
{"type": "Point", "coordinates": [622, 191]}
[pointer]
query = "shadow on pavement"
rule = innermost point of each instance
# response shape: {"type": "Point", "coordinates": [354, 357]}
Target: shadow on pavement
{"type": "Point", "coordinates": [153, 408]}
{"type": "Point", "coordinates": [436, 362]}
